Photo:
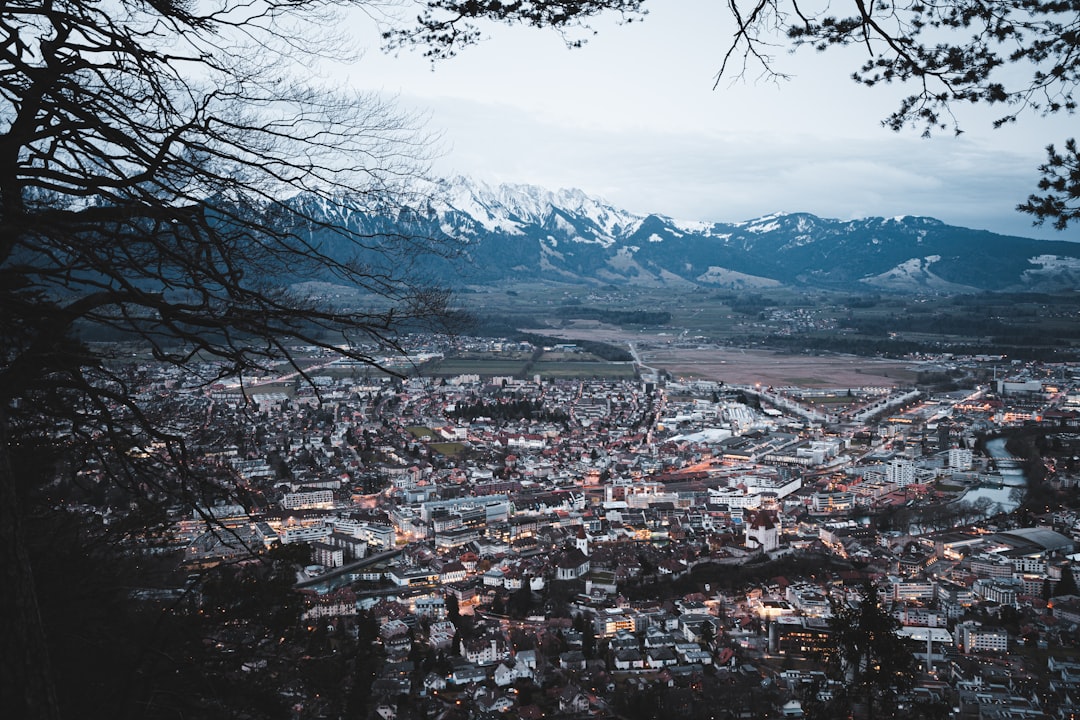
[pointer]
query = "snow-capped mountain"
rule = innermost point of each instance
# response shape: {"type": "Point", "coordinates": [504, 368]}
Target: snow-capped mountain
{"type": "Point", "coordinates": [514, 209]}
{"type": "Point", "coordinates": [518, 233]}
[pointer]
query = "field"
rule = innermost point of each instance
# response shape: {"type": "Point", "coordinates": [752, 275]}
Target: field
{"type": "Point", "coordinates": [826, 324]}
{"type": "Point", "coordinates": [452, 449]}
{"type": "Point", "coordinates": [747, 367]}
{"type": "Point", "coordinates": [477, 366]}
{"type": "Point", "coordinates": [420, 432]}
{"type": "Point", "coordinates": [744, 367]}
{"type": "Point", "coordinates": [572, 369]}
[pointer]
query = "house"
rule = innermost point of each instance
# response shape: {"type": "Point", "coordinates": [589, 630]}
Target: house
{"type": "Point", "coordinates": [655, 637]}
{"type": "Point", "coordinates": [572, 660]}
{"type": "Point", "coordinates": [430, 607]}
{"type": "Point", "coordinates": [396, 637]}
{"type": "Point", "coordinates": [504, 674]}
{"type": "Point", "coordinates": [693, 628]}
{"type": "Point", "coordinates": [498, 704]}
{"type": "Point", "coordinates": [692, 654]}
{"type": "Point", "coordinates": [572, 700]}
{"type": "Point", "coordinates": [672, 568]}
{"type": "Point", "coordinates": [792, 709]}
{"type": "Point", "coordinates": [465, 673]}
{"type": "Point", "coordinates": [526, 660]}
{"type": "Point", "coordinates": [623, 640]}
{"type": "Point", "coordinates": [628, 659]}
{"type": "Point", "coordinates": [484, 650]}
{"type": "Point", "coordinates": [441, 634]}
{"type": "Point", "coordinates": [434, 681]}
{"type": "Point", "coordinates": [660, 657]}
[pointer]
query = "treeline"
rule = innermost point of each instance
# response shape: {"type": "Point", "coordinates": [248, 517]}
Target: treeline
{"type": "Point", "coordinates": [846, 344]}
{"type": "Point", "coordinates": [508, 410]}
{"type": "Point", "coordinates": [1011, 300]}
{"type": "Point", "coordinates": [727, 576]}
{"type": "Point", "coordinates": [961, 324]}
{"type": "Point", "coordinates": [604, 351]}
{"type": "Point", "coordinates": [890, 347]}
{"type": "Point", "coordinates": [745, 304]}
{"type": "Point", "coordinates": [616, 317]}
{"type": "Point", "coordinates": [937, 516]}
{"type": "Point", "coordinates": [495, 327]}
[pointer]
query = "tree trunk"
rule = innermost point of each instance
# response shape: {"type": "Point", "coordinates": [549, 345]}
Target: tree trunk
{"type": "Point", "coordinates": [27, 687]}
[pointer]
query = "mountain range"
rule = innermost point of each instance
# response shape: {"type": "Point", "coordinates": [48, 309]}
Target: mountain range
{"type": "Point", "coordinates": [522, 233]}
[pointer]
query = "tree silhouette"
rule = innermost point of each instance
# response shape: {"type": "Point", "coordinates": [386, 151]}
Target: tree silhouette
{"type": "Point", "coordinates": [1067, 584]}
{"type": "Point", "coordinates": [707, 633]}
{"type": "Point", "coordinates": [1019, 56]}
{"type": "Point", "coordinates": [169, 177]}
{"type": "Point", "coordinates": [870, 660]}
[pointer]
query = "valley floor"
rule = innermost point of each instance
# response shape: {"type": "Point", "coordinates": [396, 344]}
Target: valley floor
{"type": "Point", "coordinates": [742, 366]}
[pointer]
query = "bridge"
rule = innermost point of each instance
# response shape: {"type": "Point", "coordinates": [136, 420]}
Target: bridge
{"type": "Point", "coordinates": [349, 568]}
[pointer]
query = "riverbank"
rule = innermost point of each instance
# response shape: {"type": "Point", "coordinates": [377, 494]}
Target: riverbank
{"type": "Point", "coordinates": [1005, 497]}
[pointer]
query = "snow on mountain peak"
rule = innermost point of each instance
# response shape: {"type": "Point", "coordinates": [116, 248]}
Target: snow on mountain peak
{"type": "Point", "coordinates": [508, 207]}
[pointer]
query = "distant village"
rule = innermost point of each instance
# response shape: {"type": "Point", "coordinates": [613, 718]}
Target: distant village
{"type": "Point", "coordinates": [533, 547]}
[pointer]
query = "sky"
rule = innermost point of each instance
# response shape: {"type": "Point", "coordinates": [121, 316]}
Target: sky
{"type": "Point", "coordinates": [633, 118]}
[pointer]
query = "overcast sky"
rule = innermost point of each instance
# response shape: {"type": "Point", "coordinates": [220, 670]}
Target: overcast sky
{"type": "Point", "coordinates": [632, 117]}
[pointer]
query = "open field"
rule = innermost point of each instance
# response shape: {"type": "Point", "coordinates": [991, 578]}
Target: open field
{"type": "Point", "coordinates": [452, 449]}
{"type": "Point", "coordinates": [1031, 326]}
{"type": "Point", "coordinates": [746, 366]}
{"type": "Point", "coordinates": [476, 365]}
{"type": "Point", "coordinates": [571, 369]}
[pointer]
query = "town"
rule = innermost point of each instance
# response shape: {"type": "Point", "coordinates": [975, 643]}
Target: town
{"type": "Point", "coordinates": [644, 544]}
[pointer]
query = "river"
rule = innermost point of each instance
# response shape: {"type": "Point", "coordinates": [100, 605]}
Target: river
{"type": "Point", "coordinates": [1011, 478]}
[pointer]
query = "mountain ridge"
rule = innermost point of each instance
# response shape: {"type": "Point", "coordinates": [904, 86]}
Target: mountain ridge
{"type": "Point", "coordinates": [513, 233]}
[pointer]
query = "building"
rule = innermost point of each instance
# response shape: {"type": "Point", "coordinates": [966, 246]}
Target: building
{"type": "Point", "coordinates": [900, 472]}
{"type": "Point", "coordinates": [762, 530]}
{"type": "Point", "coordinates": [799, 636]}
{"type": "Point", "coordinates": [961, 459]}
{"type": "Point", "coordinates": [972, 637]}
{"type": "Point", "coordinates": [571, 565]}
{"type": "Point", "coordinates": [484, 650]}
{"type": "Point", "coordinates": [317, 499]}
{"type": "Point", "coordinates": [305, 533]}
{"type": "Point", "coordinates": [327, 555]}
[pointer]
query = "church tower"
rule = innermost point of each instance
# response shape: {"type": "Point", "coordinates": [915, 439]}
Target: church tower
{"type": "Point", "coordinates": [582, 541]}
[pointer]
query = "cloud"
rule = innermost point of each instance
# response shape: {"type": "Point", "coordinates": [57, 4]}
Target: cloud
{"type": "Point", "coordinates": [633, 118]}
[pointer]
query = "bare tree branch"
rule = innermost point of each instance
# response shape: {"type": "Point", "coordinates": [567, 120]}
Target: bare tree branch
{"type": "Point", "coordinates": [169, 175]}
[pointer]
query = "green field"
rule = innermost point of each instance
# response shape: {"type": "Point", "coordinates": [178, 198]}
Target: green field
{"type": "Point", "coordinates": [831, 400]}
{"type": "Point", "coordinates": [421, 433]}
{"type": "Point", "coordinates": [452, 449]}
{"type": "Point", "coordinates": [476, 366]}
{"type": "Point", "coordinates": [572, 369]}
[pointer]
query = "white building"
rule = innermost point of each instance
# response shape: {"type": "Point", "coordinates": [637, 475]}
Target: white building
{"type": "Point", "coordinates": [900, 472]}
{"type": "Point", "coordinates": [971, 637]}
{"type": "Point", "coordinates": [961, 459]}
{"type": "Point", "coordinates": [317, 499]}
{"type": "Point", "coordinates": [762, 530]}
{"type": "Point", "coordinates": [1003, 591]}
{"type": "Point", "coordinates": [483, 650]}
{"type": "Point", "coordinates": [734, 497]}
{"type": "Point", "coordinates": [304, 533]}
